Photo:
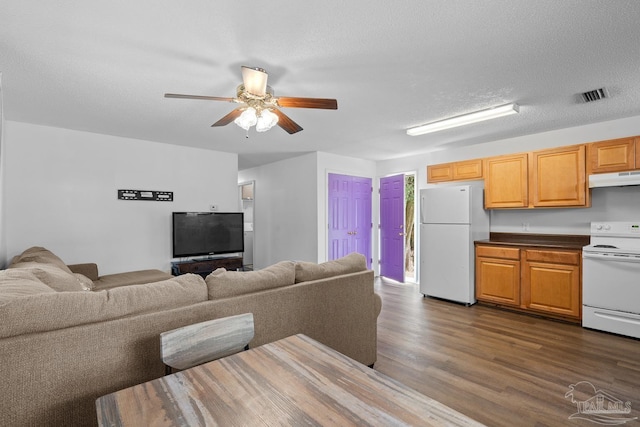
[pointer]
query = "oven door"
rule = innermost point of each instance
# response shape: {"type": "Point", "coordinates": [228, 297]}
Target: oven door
{"type": "Point", "coordinates": [611, 281]}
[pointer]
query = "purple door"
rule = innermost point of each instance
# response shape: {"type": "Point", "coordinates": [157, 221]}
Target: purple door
{"type": "Point", "coordinates": [349, 216]}
{"type": "Point", "coordinates": [392, 227]}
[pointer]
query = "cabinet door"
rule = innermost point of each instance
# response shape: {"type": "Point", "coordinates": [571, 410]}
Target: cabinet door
{"type": "Point", "coordinates": [498, 274]}
{"type": "Point", "coordinates": [612, 156]}
{"type": "Point", "coordinates": [558, 177]}
{"type": "Point", "coordinates": [552, 287]}
{"type": "Point", "coordinates": [440, 173]}
{"type": "Point", "coordinates": [467, 170]}
{"type": "Point", "coordinates": [506, 181]}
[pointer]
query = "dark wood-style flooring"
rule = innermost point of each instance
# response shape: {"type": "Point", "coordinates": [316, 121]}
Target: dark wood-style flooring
{"type": "Point", "coordinates": [499, 367]}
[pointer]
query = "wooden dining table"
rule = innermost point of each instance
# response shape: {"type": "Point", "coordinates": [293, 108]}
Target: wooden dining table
{"type": "Point", "coordinates": [293, 381]}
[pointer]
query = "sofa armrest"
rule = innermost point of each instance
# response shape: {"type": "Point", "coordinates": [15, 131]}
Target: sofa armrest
{"type": "Point", "coordinates": [378, 304]}
{"type": "Point", "coordinates": [89, 269]}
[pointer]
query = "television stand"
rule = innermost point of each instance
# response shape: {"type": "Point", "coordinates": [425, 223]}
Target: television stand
{"type": "Point", "coordinates": [204, 267]}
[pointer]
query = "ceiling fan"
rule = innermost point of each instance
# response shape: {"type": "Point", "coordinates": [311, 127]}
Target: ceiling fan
{"type": "Point", "coordinates": [259, 107]}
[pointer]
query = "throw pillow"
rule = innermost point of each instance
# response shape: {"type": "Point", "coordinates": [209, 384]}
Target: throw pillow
{"type": "Point", "coordinates": [85, 282]}
{"type": "Point", "coordinates": [57, 279]}
{"type": "Point", "coordinates": [222, 283]}
{"type": "Point", "coordinates": [40, 255]}
{"type": "Point", "coordinates": [307, 271]}
{"type": "Point", "coordinates": [16, 283]}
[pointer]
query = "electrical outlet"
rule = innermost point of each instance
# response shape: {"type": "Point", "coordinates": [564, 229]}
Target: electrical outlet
{"type": "Point", "coordinates": [213, 207]}
{"type": "Point", "coordinates": [525, 226]}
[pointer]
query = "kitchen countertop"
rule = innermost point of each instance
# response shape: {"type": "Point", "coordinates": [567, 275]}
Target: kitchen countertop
{"type": "Point", "coordinates": [560, 241]}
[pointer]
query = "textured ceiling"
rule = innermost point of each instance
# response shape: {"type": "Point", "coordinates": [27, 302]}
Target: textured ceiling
{"type": "Point", "coordinates": [103, 66]}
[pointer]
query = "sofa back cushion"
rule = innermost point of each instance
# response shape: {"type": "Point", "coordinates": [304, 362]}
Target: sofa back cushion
{"type": "Point", "coordinates": [58, 310]}
{"type": "Point", "coordinates": [222, 283]}
{"type": "Point", "coordinates": [352, 263]}
{"type": "Point", "coordinates": [16, 283]}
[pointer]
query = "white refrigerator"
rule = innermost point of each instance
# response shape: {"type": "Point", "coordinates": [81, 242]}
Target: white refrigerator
{"type": "Point", "coordinates": [451, 219]}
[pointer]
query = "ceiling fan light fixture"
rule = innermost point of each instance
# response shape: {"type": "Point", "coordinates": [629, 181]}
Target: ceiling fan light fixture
{"type": "Point", "coordinates": [247, 119]}
{"type": "Point", "coordinates": [266, 120]}
{"type": "Point", "coordinates": [465, 119]}
{"type": "Point", "coordinates": [255, 80]}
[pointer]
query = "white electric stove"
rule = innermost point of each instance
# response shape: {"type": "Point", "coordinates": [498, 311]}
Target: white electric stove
{"type": "Point", "coordinates": [611, 278]}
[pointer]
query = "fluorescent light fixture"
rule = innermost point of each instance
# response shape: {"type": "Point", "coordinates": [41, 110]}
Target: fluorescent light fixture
{"type": "Point", "coordinates": [465, 119]}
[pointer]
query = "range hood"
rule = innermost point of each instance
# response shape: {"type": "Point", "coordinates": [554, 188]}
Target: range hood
{"type": "Point", "coordinates": [616, 179]}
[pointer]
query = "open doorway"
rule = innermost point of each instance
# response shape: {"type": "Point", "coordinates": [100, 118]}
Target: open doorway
{"type": "Point", "coordinates": [410, 227]}
{"type": "Point", "coordinates": [246, 192]}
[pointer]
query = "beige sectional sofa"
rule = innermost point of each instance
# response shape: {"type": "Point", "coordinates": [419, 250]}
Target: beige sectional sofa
{"type": "Point", "coordinates": [62, 345]}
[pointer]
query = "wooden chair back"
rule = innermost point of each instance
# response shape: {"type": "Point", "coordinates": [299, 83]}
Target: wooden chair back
{"type": "Point", "coordinates": [203, 342]}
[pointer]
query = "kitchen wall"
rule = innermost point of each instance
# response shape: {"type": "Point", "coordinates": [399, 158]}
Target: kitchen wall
{"type": "Point", "coordinates": [60, 192]}
{"type": "Point", "coordinates": [607, 203]}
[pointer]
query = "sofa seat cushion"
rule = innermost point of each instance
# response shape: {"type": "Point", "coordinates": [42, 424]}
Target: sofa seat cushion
{"type": "Point", "coordinates": [59, 310]}
{"type": "Point", "coordinates": [110, 281]}
{"type": "Point", "coordinates": [222, 283]}
{"type": "Point", "coordinates": [18, 283]}
{"type": "Point", "coordinates": [352, 263]}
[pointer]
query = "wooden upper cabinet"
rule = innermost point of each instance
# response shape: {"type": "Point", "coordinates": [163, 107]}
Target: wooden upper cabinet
{"type": "Point", "coordinates": [457, 171]}
{"type": "Point", "coordinates": [506, 181]}
{"type": "Point", "coordinates": [558, 177]}
{"type": "Point", "coordinates": [440, 173]}
{"type": "Point", "coordinates": [467, 170]}
{"type": "Point", "coordinates": [614, 155]}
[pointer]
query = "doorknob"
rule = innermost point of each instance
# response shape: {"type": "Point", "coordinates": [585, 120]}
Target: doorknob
{"type": "Point", "coordinates": [400, 234]}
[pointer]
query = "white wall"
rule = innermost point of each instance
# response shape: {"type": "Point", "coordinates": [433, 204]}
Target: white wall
{"type": "Point", "coordinates": [607, 203]}
{"type": "Point", "coordinates": [285, 210]}
{"type": "Point", "coordinates": [61, 193]}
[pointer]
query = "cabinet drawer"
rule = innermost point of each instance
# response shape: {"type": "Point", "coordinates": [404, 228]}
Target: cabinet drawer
{"type": "Point", "coordinates": [498, 252]}
{"type": "Point", "coordinates": [557, 257]}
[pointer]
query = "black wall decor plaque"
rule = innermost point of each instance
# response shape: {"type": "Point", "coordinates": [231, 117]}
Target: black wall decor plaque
{"type": "Point", "coordinates": [156, 196]}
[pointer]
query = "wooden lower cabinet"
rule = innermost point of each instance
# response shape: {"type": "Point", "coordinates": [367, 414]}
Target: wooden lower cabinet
{"type": "Point", "coordinates": [551, 282]}
{"type": "Point", "coordinates": [498, 275]}
{"type": "Point", "coordinates": [546, 282]}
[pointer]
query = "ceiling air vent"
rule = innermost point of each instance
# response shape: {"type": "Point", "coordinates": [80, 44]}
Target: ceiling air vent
{"type": "Point", "coordinates": [594, 95]}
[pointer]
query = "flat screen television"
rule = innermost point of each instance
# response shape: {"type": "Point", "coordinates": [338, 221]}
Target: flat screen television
{"type": "Point", "coordinates": [207, 233]}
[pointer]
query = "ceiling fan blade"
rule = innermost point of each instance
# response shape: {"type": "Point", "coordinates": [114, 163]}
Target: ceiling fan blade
{"type": "Point", "coordinates": [254, 80]}
{"type": "Point", "coordinates": [323, 103]}
{"type": "Point", "coordinates": [208, 98]}
{"type": "Point", "coordinates": [286, 123]}
{"type": "Point", "coordinates": [228, 118]}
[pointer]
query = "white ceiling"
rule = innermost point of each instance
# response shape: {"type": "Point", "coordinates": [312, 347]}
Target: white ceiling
{"type": "Point", "coordinates": [104, 66]}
